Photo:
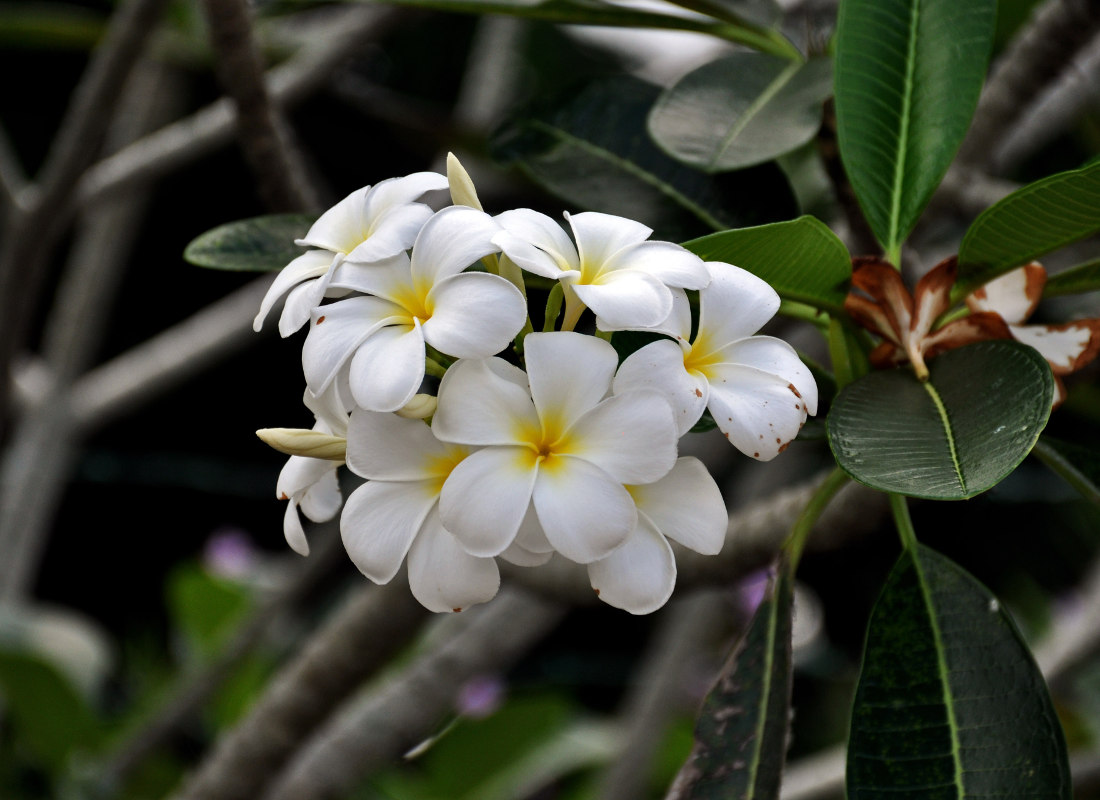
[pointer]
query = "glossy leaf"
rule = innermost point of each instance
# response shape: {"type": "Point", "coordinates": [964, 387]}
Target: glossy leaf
{"type": "Point", "coordinates": [1077, 464]}
{"type": "Point", "coordinates": [741, 110]}
{"type": "Point", "coordinates": [950, 703]}
{"type": "Point", "coordinates": [741, 734]}
{"type": "Point", "coordinates": [259, 244]}
{"type": "Point", "coordinates": [802, 259]}
{"type": "Point", "coordinates": [593, 153]}
{"type": "Point", "coordinates": [951, 437]}
{"type": "Point", "coordinates": [908, 76]}
{"type": "Point", "coordinates": [1030, 222]}
{"type": "Point", "coordinates": [1075, 280]}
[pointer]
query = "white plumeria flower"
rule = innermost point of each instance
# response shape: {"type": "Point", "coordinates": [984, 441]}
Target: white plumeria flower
{"type": "Point", "coordinates": [310, 485]}
{"type": "Point", "coordinates": [425, 299]}
{"type": "Point", "coordinates": [685, 506]}
{"type": "Point", "coordinates": [612, 269]}
{"type": "Point", "coordinates": [395, 513]}
{"type": "Point", "coordinates": [551, 438]}
{"type": "Point", "coordinates": [370, 224]}
{"type": "Point", "coordinates": [756, 388]}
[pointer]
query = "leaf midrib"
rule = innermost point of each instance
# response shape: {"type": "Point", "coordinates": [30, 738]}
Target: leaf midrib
{"type": "Point", "coordinates": [937, 401]}
{"type": "Point", "coordinates": [903, 129]}
{"type": "Point", "coordinates": [773, 88]}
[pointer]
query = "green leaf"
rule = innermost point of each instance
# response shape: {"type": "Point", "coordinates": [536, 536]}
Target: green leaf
{"type": "Point", "coordinates": [802, 259]}
{"type": "Point", "coordinates": [1078, 465]}
{"type": "Point", "coordinates": [1030, 222]}
{"type": "Point", "coordinates": [1075, 280]}
{"type": "Point", "coordinates": [46, 712]}
{"type": "Point", "coordinates": [741, 110]}
{"type": "Point", "coordinates": [951, 437]}
{"type": "Point", "coordinates": [950, 703]}
{"type": "Point", "coordinates": [908, 75]}
{"type": "Point", "coordinates": [741, 734]}
{"type": "Point", "coordinates": [205, 607]}
{"type": "Point", "coordinates": [259, 244]}
{"type": "Point", "coordinates": [593, 152]}
{"type": "Point", "coordinates": [51, 26]}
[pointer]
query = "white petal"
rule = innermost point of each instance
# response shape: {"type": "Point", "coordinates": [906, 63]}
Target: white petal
{"type": "Point", "coordinates": [299, 305]}
{"type": "Point", "coordinates": [660, 366]}
{"type": "Point", "coordinates": [379, 523]}
{"type": "Point", "coordinates": [398, 191]}
{"type": "Point", "coordinates": [569, 373]}
{"type": "Point", "coordinates": [519, 555]}
{"type": "Point", "coordinates": [311, 264]}
{"type": "Point", "coordinates": [1014, 295]}
{"type": "Point", "coordinates": [632, 437]}
{"type": "Point", "coordinates": [1061, 346]}
{"type": "Point", "coordinates": [444, 577]}
{"type": "Point", "coordinates": [391, 234]}
{"type": "Point", "coordinates": [388, 368]}
{"type": "Point", "coordinates": [531, 536]}
{"type": "Point", "coordinates": [735, 304]}
{"type": "Point", "coordinates": [336, 332]}
{"type": "Point", "coordinates": [536, 230]}
{"type": "Point", "coordinates": [757, 411]}
{"type": "Point", "coordinates": [331, 408]}
{"type": "Point", "coordinates": [638, 577]}
{"type": "Point", "coordinates": [479, 406]}
{"type": "Point", "coordinates": [584, 511]}
{"type": "Point", "coordinates": [390, 279]}
{"type": "Point", "coordinates": [474, 315]}
{"type": "Point", "coordinates": [389, 447]}
{"type": "Point", "coordinates": [626, 299]}
{"type": "Point", "coordinates": [293, 532]}
{"type": "Point", "coordinates": [677, 325]}
{"type": "Point", "coordinates": [601, 236]}
{"type": "Point", "coordinates": [450, 241]}
{"type": "Point", "coordinates": [669, 263]}
{"type": "Point", "coordinates": [686, 505]}
{"type": "Point", "coordinates": [321, 501]}
{"type": "Point", "coordinates": [773, 355]}
{"type": "Point", "coordinates": [529, 257]}
{"type": "Point", "coordinates": [486, 497]}
{"type": "Point", "coordinates": [342, 227]}
{"type": "Point", "coordinates": [298, 474]}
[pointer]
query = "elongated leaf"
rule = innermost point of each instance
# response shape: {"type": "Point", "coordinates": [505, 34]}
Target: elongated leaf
{"type": "Point", "coordinates": [52, 26]}
{"type": "Point", "coordinates": [908, 75]}
{"type": "Point", "coordinates": [1031, 221]}
{"type": "Point", "coordinates": [951, 437]}
{"type": "Point", "coordinates": [593, 152]}
{"type": "Point", "coordinates": [1078, 465]}
{"type": "Point", "coordinates": [1075, 280]}
{"type": "Point", "coordinates": [741, 735]}
{"type": "Point", "coordinates": [260, 244]}
{"type": "Point", "coordinates": [802, 259]}
{"type": "Point", "coordinates": [950, 703]}
{"type": "Point", "coordinates": [741, 110]}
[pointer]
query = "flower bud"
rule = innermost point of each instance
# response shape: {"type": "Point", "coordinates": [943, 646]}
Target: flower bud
{"type": "Point", "coordinates": [462, 188]}
{"type": "Point", "coordinates": [302, 442]}
{"type": "Point", "coordinates": [421, 406]}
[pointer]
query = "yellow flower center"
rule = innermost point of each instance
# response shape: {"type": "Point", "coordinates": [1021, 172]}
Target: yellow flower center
{"type": "Point", "coordinates": [702, 356]}
{"type": "Point", "coordinates": [439, 467]}
{"type": "Point", "coordinates": [414, 299]}
{"type": "Point", "coordinates": [545, 442]}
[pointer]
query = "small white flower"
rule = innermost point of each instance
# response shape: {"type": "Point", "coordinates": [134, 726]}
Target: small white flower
{"type": "Point", "coordinates": [395, 513]}
{"type": "Point", "coordinates": [756, 388]}
{"type": "Point", "coordinates": [549, 439]}
{"type": "Point", "coordinates": [370, 224]}
{"type": "Point", "coordinates": [410, 302]}
{"type": "Point", "coordinates": [686, 506]}
{"type": "Point", "coordinates": [612, 269]}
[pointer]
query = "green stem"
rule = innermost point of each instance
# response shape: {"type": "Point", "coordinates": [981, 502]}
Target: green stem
{"type": "Point", "coordinates": [796, 541]}
{"type": "Point", "coordinates": [553, 307]}
{"type": "Point", "coordinates": [434, 368]}
{"type": "Point", "coordinates": [904, 523]}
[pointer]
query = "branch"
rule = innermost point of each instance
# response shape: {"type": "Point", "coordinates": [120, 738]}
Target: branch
{"type": "Point", "coordinates": [1036, 57]}
{"type": "Point", "coordinates": [265, 135]}
{"type": "Point", "coordinates": [373, 625]}
{"type": "Point", "coordinates": [374, 730]}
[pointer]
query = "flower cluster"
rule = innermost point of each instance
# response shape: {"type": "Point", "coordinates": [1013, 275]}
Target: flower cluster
{"type": "Point", "coordinates": [480, 438]}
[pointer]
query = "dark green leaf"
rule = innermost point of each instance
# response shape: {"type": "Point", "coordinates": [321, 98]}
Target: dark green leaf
{"type": "Point", "coordinates": [908, 75]}
{"type": "Point", "coordinates": [951, 437]}
{"type": "Point", "coordinates": [1030, 222]}
{"type": "Point", "coordinates": [763, 13]}
{"type": "Point", "coordinates": [1078, 465]}
{"type": "Point", "coordinates": [950, 703]}
{"type": "Point", "coordinates": [260, 244]}
{"type": "Point", "coordinates": [741, 110]}
{"type": "Point", "coordinates": [1075, 280]}
{"type": "Point", "coordinates": [802, 259]}
{"type": "Point", "coordinates": [205, 607]}
{"type": "Point", "coordinates": [594, 152]}
{"type": "Point", "coordinates": [741, 734]}
{"type": "Point", "coordinates": [52, 26]}
{"type": "Point", "coordinates": [46, 712]}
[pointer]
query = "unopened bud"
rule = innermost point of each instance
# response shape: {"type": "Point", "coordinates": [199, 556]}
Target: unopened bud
{"type": "Point", "coordinates": [463, 192]}
{"type": "Point", "coordinates": [302, 442]}
{"type": "Point", "coordinates": [421, 406]}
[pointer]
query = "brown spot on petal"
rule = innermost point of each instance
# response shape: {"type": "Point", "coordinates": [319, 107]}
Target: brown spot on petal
{"type": "Point", "coordinates": [456, 610]}
{"type": "Point", "coordinates": [698, 393]}
{"type": "Point", "coordinates": [756, 455]}
{"type": "Point", "coordinates": [791, 387]}
{"type": "Point", "coordinates": [783, 447]}
{"type": "Point", "coordinates": [597, 593]}
{"type": "Point", "coordinates": [283, 496]}
{"type": "Point", "coordinates": [320, 319]}
{"type": "Point", "coordinates": [779, 441]}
